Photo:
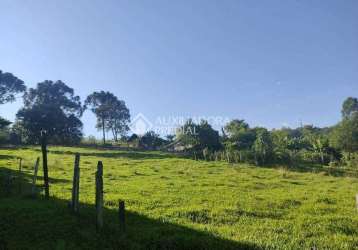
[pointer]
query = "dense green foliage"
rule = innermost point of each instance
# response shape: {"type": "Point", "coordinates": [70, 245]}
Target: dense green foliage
{"type": "Point", "coordinates": [198, 137]}
{"type": "Point", "coordinates": [10, 85]}
{"type": "Point", "coordinates": [306, 144]}
{"type": "Point", "coordinates": [51, 107]}
{"type": "Point", "coordinates": [178, 203]}
{"type": "Point", "coordinates": [112, 113]}
{"type": "Point", "coordinates": [150, 140]}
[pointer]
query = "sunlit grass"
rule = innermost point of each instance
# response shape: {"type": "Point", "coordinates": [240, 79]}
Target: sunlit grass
{"type": "Point", "coordinates": [268, 207]}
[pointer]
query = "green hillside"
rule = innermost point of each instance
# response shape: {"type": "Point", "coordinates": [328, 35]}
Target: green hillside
{"type": "Point", "coordinates": [177, 203]}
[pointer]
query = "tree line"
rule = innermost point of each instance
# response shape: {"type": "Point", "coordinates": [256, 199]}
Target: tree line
{"type": "Point", "coordinates": [239, 142]}
{"type": "Point", "coordinates": [54, 108]}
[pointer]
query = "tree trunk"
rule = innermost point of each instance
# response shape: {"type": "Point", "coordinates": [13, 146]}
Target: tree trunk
{"type": "Point", "coordinates": [104, 133]}
{"type": "Point", "coordinates": [99, 196]}
{"type": "Point", "coordinates": [44, 164]}
{"type": "Point", "coordinates": [115, 134]}
{"type": "Point", "coordinates": [322, 156]}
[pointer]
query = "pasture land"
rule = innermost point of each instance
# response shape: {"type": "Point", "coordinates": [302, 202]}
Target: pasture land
{"type": "Point", "coordinates": [177, 203]}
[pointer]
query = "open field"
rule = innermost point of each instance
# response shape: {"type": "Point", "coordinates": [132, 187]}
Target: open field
{"type": "Point", "coordinates": [178, 203]}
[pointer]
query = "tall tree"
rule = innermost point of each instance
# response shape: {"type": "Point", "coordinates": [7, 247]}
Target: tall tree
{"type": "Point", "coordinates": [350, 106]}
{"type": "Point", "coordinates": [345, 135]}
{"type": "Point", "coordinates": [118, 119]}
{"type": "Point", "coordinates": [52, 107]}
{"type": "Point", "coordinates": [10, 85]}
{"type": "Point", "coordinates": [112, 114]}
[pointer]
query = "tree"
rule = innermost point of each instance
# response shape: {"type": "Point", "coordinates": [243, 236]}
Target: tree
{"type": "Point", "coordinates": [150, 140]}
{"type": "Point", "coordinates": [52, 107]}
{"type": "Point", "coordinates": [4, 130]}
{"type": "Point", "coordinates": [112, 114]}
{"type": "Point", "coordinates": [187, 134]}
{"type": "Point", "coordinates": [262, 146]}
{"type": "Point", "coordinates": [234, 127]}
{"type": "Point", "coordinates": [282, 144]}
{"type": "Point", "coordinates": [118, 119]}
{"type": "Point", "coordinates": [239, 135]}
{"type": "Point", "coordinates": [197, 137]}
{"type": "Point", "coordinates": [350, 106]}
{"type": "Point", "coordinates": [345, 135]}
{"type": "Point", "coordinates": [10, 85]}
{"type": "Point", "coordinates": [208, 137]}
{"type": "Point", "coordinates": [321, 146]}
{"type": "Point", "coordinates": [4, 123]}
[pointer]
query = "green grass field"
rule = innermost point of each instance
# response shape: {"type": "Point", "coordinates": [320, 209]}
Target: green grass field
{"type": "Point", "coordinates": [177, 203]}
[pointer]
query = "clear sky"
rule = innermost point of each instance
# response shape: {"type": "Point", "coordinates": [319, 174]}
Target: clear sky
{"type": "Point", "coordinates": [272, 63]}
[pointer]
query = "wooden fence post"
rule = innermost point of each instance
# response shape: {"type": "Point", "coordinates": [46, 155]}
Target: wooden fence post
{"type": "Point", "coordinates": [44, 163]}
{"type": "Point", "coordinates": [76, 185]}
{"type": "Point", "coordinates": [121, 213]}
{"type": "Point", "coordinates": [8, 184]}
{"type": "Point", "coordinates": [20, 164]}
{"type": "Point", "coordinates": [99, 196]}
{"type": "Point", "coordinates": [20, 175]}
{"type": "Point", "coordinates": [34, 178]}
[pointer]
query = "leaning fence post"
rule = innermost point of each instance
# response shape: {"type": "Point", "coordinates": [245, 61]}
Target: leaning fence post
{"type": "Point", "coordinates": [121, 213]}
{"type": "Point", "coordinates": [76, 185]}
{"type": "Point", "coordinates": [44, 163]}
{"type": "Point", "coordinates": [99, 196]}
{"type": "Point", "coordinates": [34, 178]}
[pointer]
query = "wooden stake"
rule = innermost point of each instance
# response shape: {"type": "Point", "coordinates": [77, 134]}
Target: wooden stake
{"type": "Point", "coordinates": [20, 176]}
{"type": "Point", "coordinates": [34, 178]}
{"type": "Point", "coordinates": [20, 164]}
{"type": "Point", "coordinates": [76, 185]}
{"type": "Point", "coordinates": [44, 164]}
{"type": "Point", "coordinates": [121, 213]}
{"type": "Point", "coordinates": [8, 184]}
{"type": "Point", "coordinates": [99, 196]}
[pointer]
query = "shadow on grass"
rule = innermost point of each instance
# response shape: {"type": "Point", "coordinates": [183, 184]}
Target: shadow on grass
{"type": "Point", "coordinates": [34, 223]}
{"type": "Point", "coordinates": [7, 157]}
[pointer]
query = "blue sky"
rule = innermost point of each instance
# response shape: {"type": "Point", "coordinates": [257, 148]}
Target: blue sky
{"type": "Point", "coordinates": [272, 63]}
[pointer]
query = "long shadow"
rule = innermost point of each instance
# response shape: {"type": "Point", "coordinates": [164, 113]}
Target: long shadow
{"type": "Point", "coordinates": [7, 157]}
{"type": "Point", "coordinates": [35, 223]}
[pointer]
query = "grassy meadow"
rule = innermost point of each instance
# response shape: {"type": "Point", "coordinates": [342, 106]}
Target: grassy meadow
{"type": "Point", "coordinates": [177, 203]}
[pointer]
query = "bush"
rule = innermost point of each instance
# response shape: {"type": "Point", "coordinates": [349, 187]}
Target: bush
{"type": "Point", "coordinates": [350, 159]}
{"type": "Point", "coordinates": [89, 140]}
